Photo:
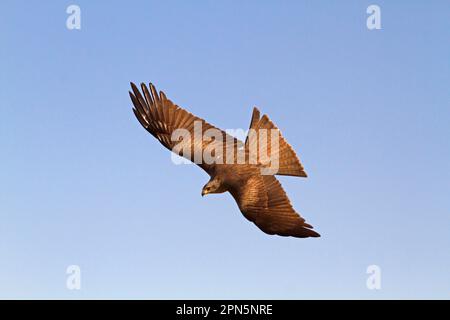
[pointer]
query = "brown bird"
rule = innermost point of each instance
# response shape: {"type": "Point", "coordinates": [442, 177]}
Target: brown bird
{"type": "Point", "coordinates": [259, 195]}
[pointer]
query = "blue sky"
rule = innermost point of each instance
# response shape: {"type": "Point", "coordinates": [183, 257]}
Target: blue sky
{"type": "Point", "coordinates": [83, 184]}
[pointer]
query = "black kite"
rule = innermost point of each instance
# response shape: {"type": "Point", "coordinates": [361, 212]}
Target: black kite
{"type": "Point", "coordinates": [259, 196]}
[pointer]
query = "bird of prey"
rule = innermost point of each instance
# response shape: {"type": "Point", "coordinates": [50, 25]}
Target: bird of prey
{"type": "Point", "coordinates": [258, 194]}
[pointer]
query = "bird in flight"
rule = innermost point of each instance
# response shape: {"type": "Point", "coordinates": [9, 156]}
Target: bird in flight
{"type": "Point", "coordinates": [233, 166]}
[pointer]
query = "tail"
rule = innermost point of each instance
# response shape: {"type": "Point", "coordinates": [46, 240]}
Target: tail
{"type": "Point", "coordinates": [288, 162]}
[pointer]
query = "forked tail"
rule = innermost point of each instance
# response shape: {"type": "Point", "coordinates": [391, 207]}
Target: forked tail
{"type": "Point", "coordinates": [288, 162]}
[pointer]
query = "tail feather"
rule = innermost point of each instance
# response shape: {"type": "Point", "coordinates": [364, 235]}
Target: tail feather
{"type": "Point", "coordinates": [288, 162]}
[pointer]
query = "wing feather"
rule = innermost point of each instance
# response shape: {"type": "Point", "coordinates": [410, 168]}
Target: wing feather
{"type": "Point", "coordinates": [161, 117]}
{"type": "Point", "coordinates": [263, 201]}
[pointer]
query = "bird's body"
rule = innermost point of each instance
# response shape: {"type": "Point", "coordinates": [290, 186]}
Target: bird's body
{"type": "Point", "coordinates": [259, 195]}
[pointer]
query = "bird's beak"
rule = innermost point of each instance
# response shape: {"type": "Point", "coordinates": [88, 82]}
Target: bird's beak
{"type": "Point", "coordinates": [203, 193]}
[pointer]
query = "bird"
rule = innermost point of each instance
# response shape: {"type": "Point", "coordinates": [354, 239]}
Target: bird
{"type": "Point", "coordinates": [258, 193]}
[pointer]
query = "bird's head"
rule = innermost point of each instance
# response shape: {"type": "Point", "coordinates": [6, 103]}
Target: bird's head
{"type": "Point", "coordinates": [213, 186]}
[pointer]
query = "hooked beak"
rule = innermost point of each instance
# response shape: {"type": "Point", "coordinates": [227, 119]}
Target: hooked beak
{"type": "Point", "coordinates": [205, 191]}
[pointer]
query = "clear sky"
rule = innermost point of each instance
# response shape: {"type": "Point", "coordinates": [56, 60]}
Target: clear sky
{"type": "Point", "coordinates": [81, 182]}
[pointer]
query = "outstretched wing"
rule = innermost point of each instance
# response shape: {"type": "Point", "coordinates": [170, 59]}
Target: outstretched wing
{"type": "Point", "coordinates": [264, 202]}
{"type": "Point", "coordinates": [177, 129]}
